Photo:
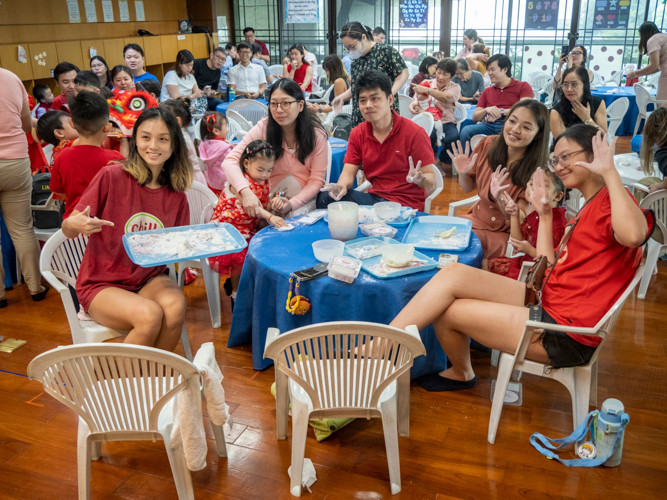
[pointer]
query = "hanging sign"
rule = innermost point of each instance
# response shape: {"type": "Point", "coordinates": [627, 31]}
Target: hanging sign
{"type": "Point", "coordinates": [413, 13]}
{"type": "Point", "coordinates": [301, 11]}
{"type": "Point", "coordinates": [611, 14]}
{"type": "Point", "coordinates": [542, 15]}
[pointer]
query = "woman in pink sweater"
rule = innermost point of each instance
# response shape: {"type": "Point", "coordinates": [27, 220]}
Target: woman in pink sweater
{"type": "Point", "coordinates": [300, 143]}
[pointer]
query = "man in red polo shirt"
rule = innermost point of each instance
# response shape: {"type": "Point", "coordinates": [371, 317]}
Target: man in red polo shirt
{"type": "Point", "coordinates": [395, 152]}
{"type": "Point", "coordinates": [249, 35]}
{"type": "Point", "coordinates": [64, 73]}
{"type": "Point", "coordinates": [497, 99]}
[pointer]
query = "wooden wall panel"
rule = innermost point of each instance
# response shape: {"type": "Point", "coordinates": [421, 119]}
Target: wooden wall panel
{"type": "Point", "coordinates": [98, 45]}
{"type": "Point", "coordinates": [184, 42]}
{"type": "Point", "coordinates": [71, 52]}
{"type": "Point", "coordinates": [153, 49]}
{"type": "Point", "coordinates": [169, 48]}
{"type": "Point", "coordinates": [50, 57]}
{"type": "Point", "coordinates": [113, 49]}
{"type": "Point", "coordinates": [199, 46]}
{"type": "Point", "coordinates": [10, 61]}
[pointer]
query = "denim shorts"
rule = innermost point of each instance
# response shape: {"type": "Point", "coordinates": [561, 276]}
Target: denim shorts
{"type": "Point", "coordinates": [563, 350]}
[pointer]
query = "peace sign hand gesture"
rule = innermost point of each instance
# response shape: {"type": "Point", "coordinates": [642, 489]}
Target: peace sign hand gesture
{"type": "Point", "coordinates": [415, 176]}
{"type": "Point", "coordinates": [460, 159]}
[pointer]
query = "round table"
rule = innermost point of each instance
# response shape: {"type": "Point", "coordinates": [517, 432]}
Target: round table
{"type": "Point", "coordinates": [222, 108]}
{"type": "Point", "coordinates": [610, 94]}
{"type": "Point", "coordinates": [262, 293]}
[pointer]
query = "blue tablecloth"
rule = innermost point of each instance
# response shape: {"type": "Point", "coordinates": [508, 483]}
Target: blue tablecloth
{"type": "Point", "coordinates": [337, 157]}
{"type": "Point", "coordinates": [262, 293]}
{"type": "Point", "coordinates": [627, 126]}
{"type": "Point", "coordinates": [222, 108]}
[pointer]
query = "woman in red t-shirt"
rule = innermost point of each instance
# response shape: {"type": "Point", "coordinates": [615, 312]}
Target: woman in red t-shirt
{"type": "Point", "coordinates": [145, 192]}
{"type": "Point", "coordinates": [299, 71]}
{"type": "Point", "coordinates": [598, 263]}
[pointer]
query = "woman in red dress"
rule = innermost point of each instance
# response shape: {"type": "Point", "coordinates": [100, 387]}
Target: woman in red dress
{"type": "Point", "coordinates": [299, 71]}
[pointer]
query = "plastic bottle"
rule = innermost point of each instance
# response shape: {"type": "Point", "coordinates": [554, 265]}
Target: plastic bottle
{"type": "Point", "coordinates": [608, 427]}
{"type": "Point", "coordinates": [231, 92]}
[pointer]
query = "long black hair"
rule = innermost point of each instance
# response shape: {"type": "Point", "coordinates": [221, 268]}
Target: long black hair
{"type": "Point", "coordinates": [101, 59]}
{"type": "Point", "coordinates": [428, 61]}
{"type": "Point", "coordinates": [306, 126]}
{"type": "Point", "coordinates": [646, 31]}
{"type": "Point", "coordinates": [564, 106]}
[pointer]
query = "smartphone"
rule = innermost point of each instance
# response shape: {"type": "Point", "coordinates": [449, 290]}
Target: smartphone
{"type": "Point", "coordinates": [312, 273]}
{"type": "Point", "coordinates": [565, 50]}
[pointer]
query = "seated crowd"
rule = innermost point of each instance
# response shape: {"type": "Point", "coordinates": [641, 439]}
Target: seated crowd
{"type": "Point", "coordinates": [112, 185]}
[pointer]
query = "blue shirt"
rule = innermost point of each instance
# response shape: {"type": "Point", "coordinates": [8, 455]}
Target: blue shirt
{"type": "Point", "coordinates": [146, 76]}
{"type": "Point", "coordinates": [262, 63]}
{"type": "Point", "coordinates": [229, 63]}
{"type": "Point", "coordinates": [347, 62]}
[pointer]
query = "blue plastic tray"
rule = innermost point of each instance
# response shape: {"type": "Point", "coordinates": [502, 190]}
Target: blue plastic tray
{"type": "Point", "coordinates": [367, 263]}
{"type": "Point", "coordinates": [229, 232]}
{"type": "Point", "coordinates": [423, 229]}
{"type": "Point", "coordinates": [391, 222]}
{"type": "Point", "coordinates": [378, 240]}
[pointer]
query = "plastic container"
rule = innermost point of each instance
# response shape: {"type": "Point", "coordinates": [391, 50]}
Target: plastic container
{"type": "Point", "coordinates": [344, 269]}
{"type": "Point", "coordinates": [343, 219]}
{"type": "Point", "coordinates": [325, 250]}
{"type": "Point", "coordinates": [366, 248]}
{"type": "Point", "coordinates": [397, 255]}
{"type": "Point", "coordinates": [387, 210]}
{"type": "Point", "coordinates": [378, 229]}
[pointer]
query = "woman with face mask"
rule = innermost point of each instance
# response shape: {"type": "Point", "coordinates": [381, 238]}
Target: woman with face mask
{"type": "Point", "coordinates": [367, 55]}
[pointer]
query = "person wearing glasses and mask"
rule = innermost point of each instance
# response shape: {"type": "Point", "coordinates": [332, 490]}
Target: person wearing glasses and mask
{"type": "Point", "coordinates": [367, 55]}
{"type": "Point", "coordinates": [246, 78]}
{"type": "Point", "coordinates": [300, 143]}
{"type": "Point", "coordinates": [576, 104]}
{"type": "Point", "coordinates": [577, 57]}
{"type": "Point", "coordinates": [207, 73]}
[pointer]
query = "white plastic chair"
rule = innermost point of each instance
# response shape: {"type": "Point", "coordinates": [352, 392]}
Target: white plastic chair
{"type": "Point", "coordinates": [581, 381]}
{"type": "Point", "coordinates": [199, 197]}
{"type": "Point", "coordinates": [426, 121]}
{"type": "Point", "coordinates": [404, 106]}
{"type": "Point", "coordinates": [59, 263]}
{"type": "Point", "coordinates": [575, 200]}
{"type": "Point", "coordinates": [436, 190]}
{"type": "Point", "coordinates": [539, 82]}
{"type": "Point", "coordinates": [652, 80]}
{"type": "Point", "coordinates": [597, 79]}
{"type": "Point", "coordinates": [252, 111]}
{"type": "Point", "coordinates": [120, 393]}
{"type": "Point", "coordinates": [657, 201]}
{"type": "Point", "coordinates": [329, 161]}
{"type": "Point", "coordinates": [234, 130]}
{"type": "Point", "coordinates": [276, 69]}
{"type": "Point", "coordinates": [244, 124]}
{"type": "Point", "coordinates": [644, 98]}
{"type": "Point", "coordinates": [615, 114]}
{"type": "Point", "coordinates": [318, 371]}
{"type": "Point", "coordinates": [412, 70]}
{"type": "Point", "coordinates": [324, 99]}
{"type": "Point", "coordinates": [536, 73]}
{"type": "Point", "coordinates": [614, 80]}
{"type": "Point", "coordinates": [460, 115]}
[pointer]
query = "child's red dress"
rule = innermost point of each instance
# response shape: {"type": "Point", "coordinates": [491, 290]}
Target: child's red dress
{"type": "Point", "coordinates": [511, 266]}
{"type": "Point", "coordinates": [230, 209]}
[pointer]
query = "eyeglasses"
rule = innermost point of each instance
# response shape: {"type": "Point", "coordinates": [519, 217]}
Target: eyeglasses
{"type": "Point", "coordinates": [564, 160]}
{"type": "Point", "coordinates": [577, 53]}
{"type": "Point", "coordinates": [285, 105]}
{"type": "Point", "coordinates": [571, 85]}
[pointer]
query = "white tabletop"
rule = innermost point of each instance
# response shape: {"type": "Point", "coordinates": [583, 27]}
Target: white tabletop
{"type": "Point", "coordinates": [629, 167]}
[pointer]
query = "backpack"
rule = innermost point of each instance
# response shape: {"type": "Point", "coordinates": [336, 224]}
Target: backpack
{"type": "Point", "coordinates": [40, 189]}
{"type": "Point", "coordinates": [44, 219]}
{"type": "Point", "coordinates": [342, 126]}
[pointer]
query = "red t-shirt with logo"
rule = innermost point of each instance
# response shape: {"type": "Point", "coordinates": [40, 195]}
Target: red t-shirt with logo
{"type": "Point", "coordinates": [506, 97]}
{"type": "Point", "coordinates": [115, 195]}
{"type": "Point", "coordinates": [592, 272]}
{"type": "Point", "coordinates": [75, 168]}
{"type": "Point", "coordinates": [60, 103]}
{"type": "Point", "coordinates": [387, 165]}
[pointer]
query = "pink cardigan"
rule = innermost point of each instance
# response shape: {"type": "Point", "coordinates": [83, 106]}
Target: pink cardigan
{"type": "Point", "coordinates": [311, 176]}
{"type": "Point", "coordinates": [213, 153]}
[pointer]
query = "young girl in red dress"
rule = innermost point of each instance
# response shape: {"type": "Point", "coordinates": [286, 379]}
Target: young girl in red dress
{"type": "Point", "coordinates": [523, 231]}
{"type": "Point", "coordinates": [256, 164]}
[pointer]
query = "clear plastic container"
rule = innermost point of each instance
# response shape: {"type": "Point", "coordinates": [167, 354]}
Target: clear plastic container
{"type": "Point", "coordinates": [344, 268]}
{"type": "Point", "coordinates": [365, 249]}
{"type": "Point", "coordinates": [343, 220]}
{"type": "Point", "coordinates": [387, 210]}
{"type": "Point", "coordinates": [397, 255]}
{"type": "Point", "coordinates": [378, 229]}
{"type": "Point", "coordinates": [325, 250]}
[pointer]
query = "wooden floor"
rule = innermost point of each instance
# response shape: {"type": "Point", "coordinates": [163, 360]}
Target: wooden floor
{"type": "Point", "coordinates": [445, 457]}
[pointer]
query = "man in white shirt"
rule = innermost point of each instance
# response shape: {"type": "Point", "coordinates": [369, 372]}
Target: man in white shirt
{"type": "Point", "coordinates": [247, 79]}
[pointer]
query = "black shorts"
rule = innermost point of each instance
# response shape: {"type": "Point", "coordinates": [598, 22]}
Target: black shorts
{"type": "Point", "coordinates": [563, 350]}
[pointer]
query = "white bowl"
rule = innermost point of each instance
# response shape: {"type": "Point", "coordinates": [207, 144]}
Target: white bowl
{"type": "Point", "coordinates": [397, 255]}
{"type": "Point", "coordinates": [387, 210]}
{"type": "Point", "coordinates": [325, 250]}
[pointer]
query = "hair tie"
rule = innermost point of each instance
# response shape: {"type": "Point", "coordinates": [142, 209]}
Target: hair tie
{"type": "Point", "coordinates": [209, 119]}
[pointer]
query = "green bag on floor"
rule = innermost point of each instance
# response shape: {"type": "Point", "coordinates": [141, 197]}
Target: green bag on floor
{"type": "Point", "coordinates": [323, 428]}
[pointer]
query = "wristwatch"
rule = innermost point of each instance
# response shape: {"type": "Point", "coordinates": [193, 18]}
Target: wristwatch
{"type": "Point", "coordinates": [502, 112]}
{"type": "Point", "coordinates": [319, 108]}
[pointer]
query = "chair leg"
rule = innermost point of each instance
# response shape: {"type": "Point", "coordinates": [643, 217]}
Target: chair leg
{"type": "Point", "coordinates": [179, 468]}
{"type": "Point", "coordinates": [282, 404]}
{"type": "Point", "coordinates": [212, 282]}
{"type": "Point", "coordinates": [651, 258]}
{"type": "Point", "coordinates": [185, 340]}
{"type": "Point", "coordinates": [495, 355]}
{"type": "Point", "coordinates": [582, 394]}
{"type": "Point", "coordinates": [637, 123]}
{"type": "Point", "coordinates": [83, 460]}
{"type": "Point", "coordinates": [220, 442]}
{"type": "Point", "coordinates": [389, 426]}
{"type": "Point", "coordinates": [593, 399]}
{"type": "Point", "coordinates": [505, 366]}
{"type": "Point", "coordinates": [95, 451]}
{"type": "Point", "coordinates": [403, 404]}
{"type": "Point", "coordinates": [299, 433]}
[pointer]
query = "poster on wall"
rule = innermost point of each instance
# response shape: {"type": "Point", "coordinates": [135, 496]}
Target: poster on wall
{"type": "Point", "coordinates": [73, 11]}
{"type": "Point", "coordinates": [611, 14]}
{"type": "Point", "coordinates": [107, 11]}
{"type": "Point", "coordinates": [124, 10]}
{"type": "Point", "coordinates": [413, 13]}
{"type": "Point", "coordinates": [91, 12]}
{"type": "Point", "coordinates": [139, 10]}
{"type": "Point", "coordinates": [542, 15]}
{"type": "Point", "coordinates": [302, 11]}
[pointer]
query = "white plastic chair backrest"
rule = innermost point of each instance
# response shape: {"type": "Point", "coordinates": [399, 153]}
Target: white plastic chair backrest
{"type": "Point", "coordinates": [474, 141]}
{"type": "Point", "coordinates": [315, 87]}
{"type": "Point", "coordinates": [197, 131]}
{"type": "Point", "coordinates": [615, 114]}
{"type": "Point", "coordinates": [321, 71]}
{"type": "Point", "coordinates": [657, 201]}
{"type": "Point", "coordinates": [435, 191]}
{"type": "Point", "coordinates": [597, 79]}
{"type": "Point", "coordinates": [233, 129]}
{"type": "Point", "coordinates": [276, 69]}
{"type": "Point", "coordinates": [61, 257]}
{"type": "Point", "coordinates": [615, 79]}
{"type": "Point", "coordinates": [198, 197]}
{"type": "Point", "coordinates": [347, 109]}
{"type": "Point", "coordinates": [653, 80]}
{"type": "Point", "coordinates": [113, 387]}
{"type": "Point", "coordinates": [460, 114]}
{"type": "Point", "coordinates": [404, 106]}
{"type": "Point", "coordinates": [328, 92]}
{"type": "Point", "coordinates": [329, 161]}
{"type": "Point", "coordinates": [643, 97]}
{"type": "Point", "coordinates": [538, 81]}
{"type": "Point", "coordinates": [252, 111]}
{"type": "Point", "coordinates": [244, 124]}
{"type": "Point", "coordinates": [321, 360]}
{"type": "Point", "coordinates": [574, 203]}
{"type": "Point", "coordinates": [426, 121]}
{"type": "Point", "coordinates": [536, 73]}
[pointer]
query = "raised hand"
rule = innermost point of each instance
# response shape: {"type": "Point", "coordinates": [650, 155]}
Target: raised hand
{"type": "Point", "coordinates": [603, 156]}
{"type": "Point", "coordinates": [84, 224]}
{"type": "Point", "coordinates": [497, 178]}
{"type": "Point", "coordinates": [337, 104]}
{"type": "Point", "coordinates": [539, 195]}
{"type": "Point", "coordinates": [420, 88]}
{"type": "Point", "coordinates": [336, 191]}
{"type": "Point", "coordinates": [415, 176]}
{"type": "Point", "coordinates": [461, 159]}
{"type": "Point", "coordinates": [511, 207]}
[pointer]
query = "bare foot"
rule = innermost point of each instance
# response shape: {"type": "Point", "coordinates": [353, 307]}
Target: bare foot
{"type": "Point", "coordinates": [454, 374]}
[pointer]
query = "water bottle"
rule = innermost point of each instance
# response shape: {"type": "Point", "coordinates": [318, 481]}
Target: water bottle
{"type": "Point", "coordinates": [608, 427]}
{"type": "Point", "coordinates": [231, 92]}
{"type": "Point", "coordinates": [623, 80]}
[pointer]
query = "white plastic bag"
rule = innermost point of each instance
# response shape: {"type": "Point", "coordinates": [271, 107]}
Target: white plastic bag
{"type": "Point", "coordinates": [308, 476]}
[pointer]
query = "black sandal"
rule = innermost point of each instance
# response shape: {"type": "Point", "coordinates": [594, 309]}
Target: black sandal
{"type": "Point", "coordinates": [38, 297]}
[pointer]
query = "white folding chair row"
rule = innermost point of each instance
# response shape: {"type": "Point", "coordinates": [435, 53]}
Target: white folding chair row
{"type": "Point", "coordinates": [615, 115]}
{"type": "Point", "coordinates": [644, 98]}
{"type": "Point", "coordinates": [539, 82]}
{"type": "Point", "coordinates": [426, 121]}
{"type": "Point", "coordinates": [404, 106]}
{"type": "Point", "coordinates": [234, 130]}
{"type": "Point", "coordinates": [319, 373]}
{"type": "Point", "coordinates": [460, 115]}
{"type": "Point", "coordinates": [249, 109]}
{"type": "Point", "coordinates": [597, 79]}
{"type": "Point", "coordinates": [614, 80]}
{"type": "Point", "coordinates": [276, 69]}
{"type": "Point", "coordinates": [656, 201]}
{"type": "Point", "coordinates": [239, 120]}
{"type": "Point", "coordinates": [59, 263]}
{"type": "Point", "coordinates": [324, 99]}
